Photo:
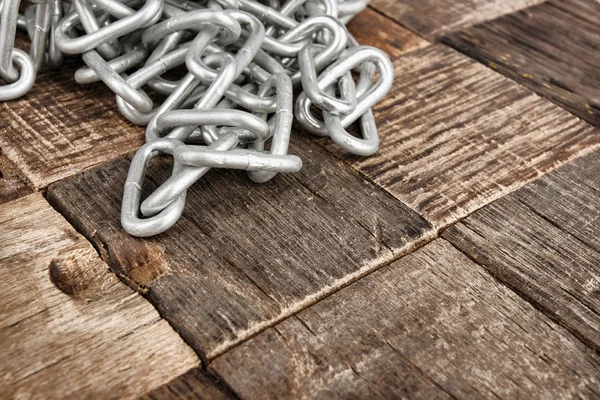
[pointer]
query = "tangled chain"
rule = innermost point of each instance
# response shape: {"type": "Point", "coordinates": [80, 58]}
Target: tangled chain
{"type": "Point", "coordinates": [242, 59]}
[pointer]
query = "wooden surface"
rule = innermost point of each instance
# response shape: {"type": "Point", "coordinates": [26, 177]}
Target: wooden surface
{"type": "Point", "coordinates": [12, 186]}
{"type": "Point", "coordinates": [432, 325]}
{"type": "Point", "coordinates": [552, 49]}
{"type": "Point", "coordinates": [543, 242]}
{"type": "Point", "coordinates": [194, 384]}
{"type": "Point", "coordinates": [373, 29]}
{"type": "Point", "coordinates": [255, 253]}
{"type": "Point", "coordinates": [432, 18]}
{"type": "Point", "coordinates": [324, 284]}
{"type": "Point", "coordinates": [68, 327]}
{"type": "Point", "coordinates": [456, 136]}
{"type": "Point", "coordinates": [61, 128]}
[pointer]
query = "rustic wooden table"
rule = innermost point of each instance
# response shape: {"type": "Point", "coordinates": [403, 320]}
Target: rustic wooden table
{"type": "Point", "coordinates": [466, 259]}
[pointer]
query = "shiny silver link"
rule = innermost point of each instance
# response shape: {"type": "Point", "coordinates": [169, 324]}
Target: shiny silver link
{"type": "Point", "coordinates": [227, 71]}
{"type": "Point", "coordinates": [26, 71]}
{"type": "Point", "coordinates": [334, 125]}
{"type": "Point", "coordinates": [91, 40]}
{"type": "Point", "coordinates": [132, 194]}
{"type": "Point", "coordinates": [8, 27]}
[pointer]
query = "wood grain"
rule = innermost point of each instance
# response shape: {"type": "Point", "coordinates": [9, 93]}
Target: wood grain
{"type": "Point", "coordinates": [543, 242]}
{"type": "Point", "coordinates": [431, 325]}
{"type": "Point", "coordinates": [552, 49]}
{"type": "Point", "coordinates": [373, 29]}
{"type": "Point", "coordinates": [456, 136]}
{"type": "Point", "coordinates": [194, 384]}
{"type": "Point", "coordinates": [68, 327]}
{"type": "Point", "coordinates": [61, 128]}
{"type": "Point", "coordinates": [11, 185]}
{"type": "Point", "coordinates": [244, 256]}
{"type": "Point", "coordinates": [432, 18]}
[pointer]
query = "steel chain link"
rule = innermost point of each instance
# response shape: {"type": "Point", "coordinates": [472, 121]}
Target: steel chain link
{"type": "Point", "coordinates": [227, 71]}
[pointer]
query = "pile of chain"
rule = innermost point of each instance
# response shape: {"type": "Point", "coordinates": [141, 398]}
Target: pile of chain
{"type": "Point", "coordinates": [241, 61]}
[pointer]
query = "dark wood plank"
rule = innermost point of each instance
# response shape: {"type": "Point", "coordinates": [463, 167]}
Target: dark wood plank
{"type": "Point", "coordinates": [543, 242]}
{"type": "Point", "coordinates": [61, 128]}
{"type": "Point", "coordinates": [373, 29]}
{"type": "Point", "coordinates": [553, 49]}
{"type": "Point", "coordinates": [68, 327]}
{"type": "Point", "coordinates": [456, 136]}
{"type": "Point", "coordinates": [244, 256]}
{"type": "Point", "coordinates": [432, 18]}
{"type": "Point", "coordinates": [194, 384]}
{"type": "Point", "coordinates": [431, 325]}
{"type": "Point", "coordinates": [11, 185]}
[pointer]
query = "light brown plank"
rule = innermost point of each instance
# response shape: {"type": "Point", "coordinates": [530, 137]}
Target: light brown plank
{"type": "Point", "coordinates": [456, 136]}
{"type": "Point", "coordinates": [552, 49]}
{"type": "Point", "coordinates": [432, 325]}
{"type": "Point", "coordinates": [11, 185]}
{"type": "Point", "coordinates": [373, 29]}
{"type": "Point", "coordinates": [68, 327]}
{"type": "Point", "coordinates": [433, 18]}
{"type": "Point", "coordinates": [244, 256]}
{"type": "Point", "coordinates": [61, 128]}
{"type": "Point", "coordinates": [543, 241]}
{"type": "Point", "coordinates": [194, 384]}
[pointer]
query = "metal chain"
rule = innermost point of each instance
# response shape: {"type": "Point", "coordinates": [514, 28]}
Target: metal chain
{"type": "Point", "coordinates": [227, 71]}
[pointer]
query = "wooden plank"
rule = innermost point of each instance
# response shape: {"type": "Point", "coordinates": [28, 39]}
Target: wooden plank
{"type": "Point", "coordinates": [194, 384]}
{"type": "Point", "coordinates": [373, 29]}
{"type": "Point", "coordinates": [68, 327]}
{"type": "Point", "coordinates": [455, 136]}
{"type": "Point", "coordinates": [244, 256]}
{"type": "Point", "coordinates": [553, 49]}
{"type": "Point", "coordinates": [431, 325]}
{"type": "Point", "coordinates": [11, 185]}
{"type": "Point", "coordinates": [61, 128]}
{"type": "Point", "coordinates": [543, 241]}
{"type": "Point", "coordinates": [433, 18]}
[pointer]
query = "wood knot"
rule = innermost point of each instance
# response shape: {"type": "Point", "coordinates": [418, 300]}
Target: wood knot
{"type": "Point", "coordinates": [139, 263]}
{"type": "Point", "coordinates": [79, 273]}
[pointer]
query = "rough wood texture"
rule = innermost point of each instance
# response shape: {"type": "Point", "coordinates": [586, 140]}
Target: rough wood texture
{"type": "Point", "coordinates": [543, 242]}
{"type": "Point", "coordinates": [373, 29]}
{"type": "Point", "coordinates": [431, 325]}
{"type": "Point", "coordinates": [553, 49]}
{"type": "Point", "coordinates": [244, 256]}
{"type": "Point", "coordinates": [456, 135]}
{"type": "Point", "coordinates": [432, 18]}
{"type": "Point", "coordinates": [68, 327]}
{"type": "Point", "coordinates": [61, 128]}
{"type": "Point", "coordinates": [11, 185]}
{"type": "Point", "coordinates": [193, 385]}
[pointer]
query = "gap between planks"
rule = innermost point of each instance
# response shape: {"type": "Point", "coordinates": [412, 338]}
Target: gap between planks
{"type": "Point", "coordinates": [330, 290]}
{"type": "Point", "coordinates": [286, 312]}
{"type": "Point", "coordinates": [435, 234]}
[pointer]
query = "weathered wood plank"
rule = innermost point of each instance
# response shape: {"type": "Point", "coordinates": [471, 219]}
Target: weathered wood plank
{"type": "Point", "coordinates": [61, 128]}
{"type": "Point", "coordinates": [431, 325]}
{"type": "Point", "coordinates": [373, 29]}
{"type": "Point", "coordinates": [432, 18]}
{"type": "Point", "coordinates": [68, 327]}
{"type": "Point", "coordinates": [543, 241]}
{"type": "Point", "coordinates": [455, 136]}
{"type": "Point", "coordinates": [194, 384]}
{"type": "Point", "coordinates": [244, 256]}
{"type": "Point", "coordinates": [553, 49]}
{"type": "Point", "coordinates": [11, 185]}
